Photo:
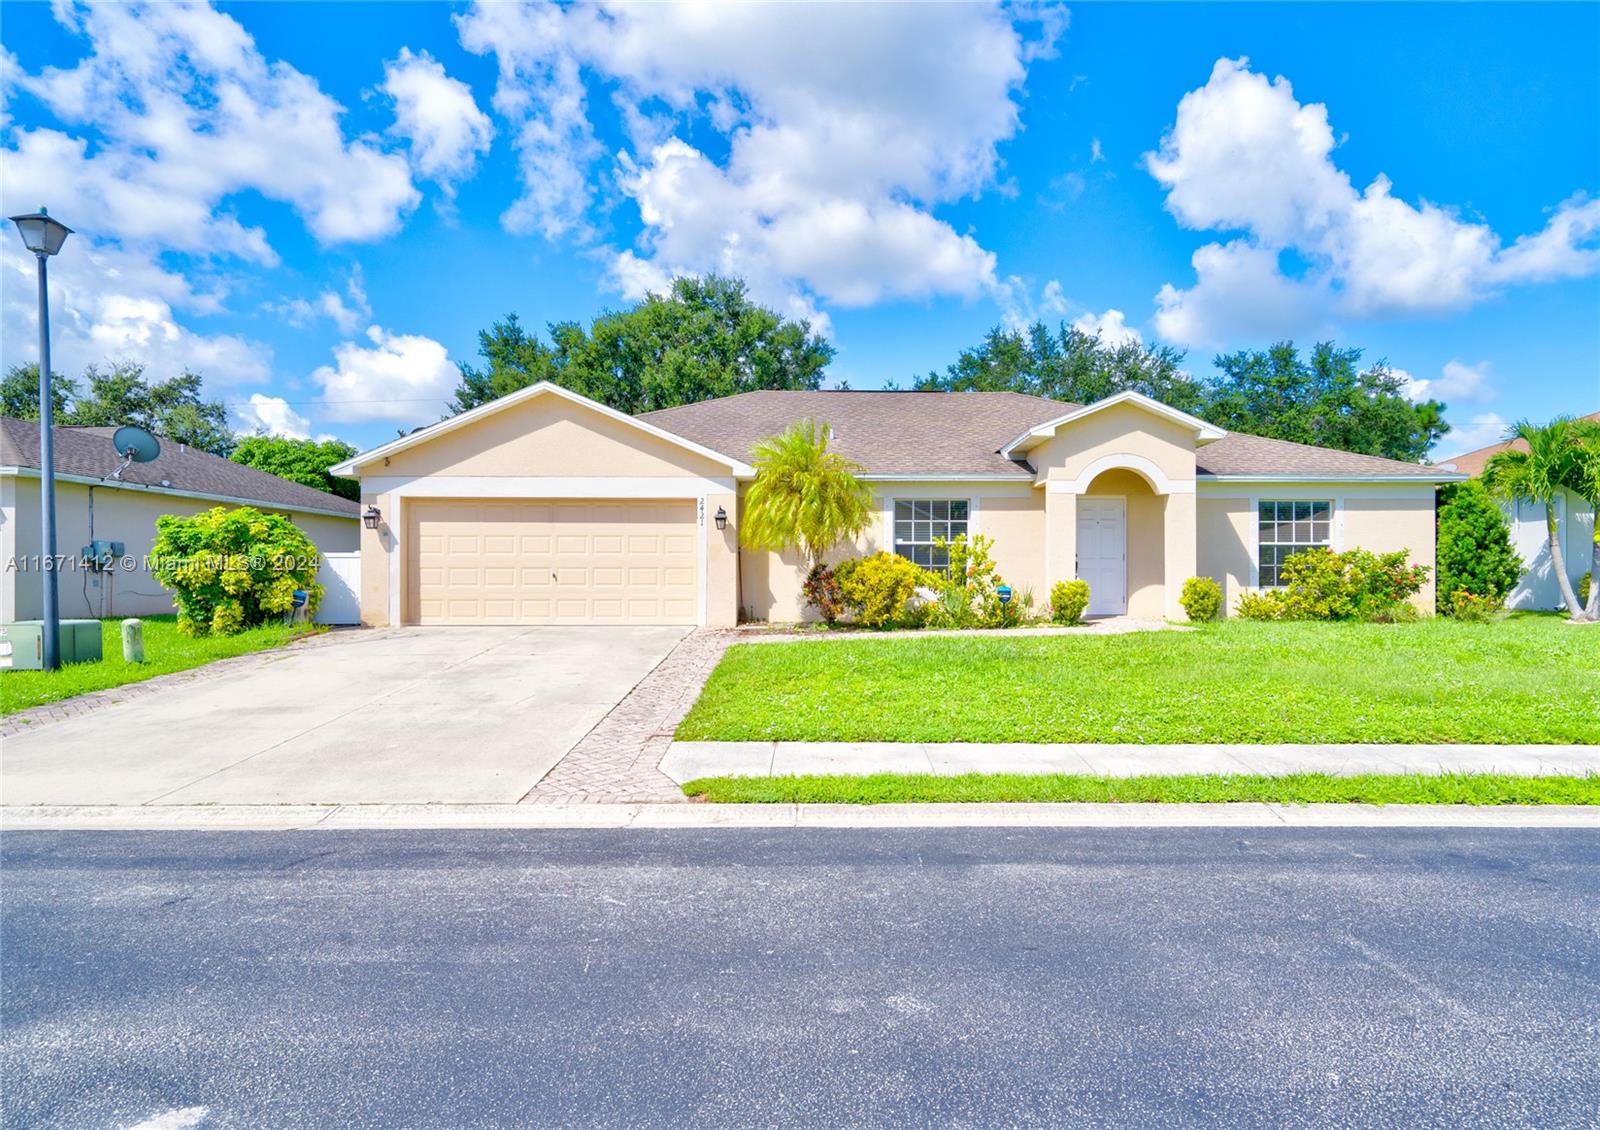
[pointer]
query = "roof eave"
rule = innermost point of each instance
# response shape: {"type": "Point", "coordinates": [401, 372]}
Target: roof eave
{"type": "Point", "coordinates": [1290, 477]}
{"type": "Point", "coordinates": [180, 492]}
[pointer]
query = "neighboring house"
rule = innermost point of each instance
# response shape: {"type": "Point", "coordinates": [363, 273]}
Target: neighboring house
{"type": "Point", "coordinates": [90, 506]}
{"type": "Point", "coordinates": [545, 507]}
{"type": "Point", "coordinates": [1538, 587]}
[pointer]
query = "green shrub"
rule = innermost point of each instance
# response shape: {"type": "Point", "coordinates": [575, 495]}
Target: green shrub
{"type": "Point", "coordinates": [233, 569]}
{"type": "Point", "coordinates": [878, 589]}
{"type": "Point", "coordinates": [1583, 587]}
{"type": "Point", "coordinates": [822, 591]}
{"type": "Point", "coordinates": [1357, 584]}
{"type": "Point", "coordinates": [1474, 553]}
{"type": "Point", "coordinates": [1267, 605]}
{"type": "Point", "coordinates": [1201, 599]}
{"type": "Point", "coordinates": [1068, 600]}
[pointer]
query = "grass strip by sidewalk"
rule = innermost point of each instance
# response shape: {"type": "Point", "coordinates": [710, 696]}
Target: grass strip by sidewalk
{"type": "Point", "coordinates": [1293, 788]}
{"type": "Point", "coordinates": [165, 651]}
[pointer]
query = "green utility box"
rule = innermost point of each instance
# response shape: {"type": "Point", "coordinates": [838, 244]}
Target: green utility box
{"type": "Point", "coordinates": [22, 643]}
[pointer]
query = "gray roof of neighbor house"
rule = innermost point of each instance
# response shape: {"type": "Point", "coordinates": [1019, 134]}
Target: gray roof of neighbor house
{"type": "Point", "coordinates": [961, 433]}
{"type": "Point", "coordinates": [87, 453]}
{"type": "Point", "coordinates": [1473, 462]}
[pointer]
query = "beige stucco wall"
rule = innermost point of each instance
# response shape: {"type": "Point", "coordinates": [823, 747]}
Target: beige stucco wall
{"type": "Point", "coordinates": [546, 435]}
{"type": "Point", "coordinates": [1379, 517]}
{"type": "Point", "coordinates": [1120, 430]}
{"type": "Point", "coordinates": [120, 514]}
{"type": "Point", "coordinates": [376, 546]}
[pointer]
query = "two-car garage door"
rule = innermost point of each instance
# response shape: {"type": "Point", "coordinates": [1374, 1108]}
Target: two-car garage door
{"type": "Point", "coordinates": [588, 562]}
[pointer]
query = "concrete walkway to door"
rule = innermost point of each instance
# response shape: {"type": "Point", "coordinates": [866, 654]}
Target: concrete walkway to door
{"type": "Point", "coordinates": [396, 716]}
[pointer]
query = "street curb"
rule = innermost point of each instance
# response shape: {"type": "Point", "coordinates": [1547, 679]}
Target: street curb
{"type": "Point", "coordinates": [555, 816]}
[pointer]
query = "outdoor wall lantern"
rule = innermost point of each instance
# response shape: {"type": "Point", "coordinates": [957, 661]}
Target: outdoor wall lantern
{"type": "Point", "coordinates": [370, 517]}
{"type": "Point", "coordinates": [721, 518]}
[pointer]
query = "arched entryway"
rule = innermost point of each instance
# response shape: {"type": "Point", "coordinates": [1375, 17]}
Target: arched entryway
{"type": "Point", "coordinates": [1121, 544]}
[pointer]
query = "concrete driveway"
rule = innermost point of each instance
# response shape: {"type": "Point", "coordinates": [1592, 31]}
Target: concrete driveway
{"type": "Point", "coordinates": [411, 715]}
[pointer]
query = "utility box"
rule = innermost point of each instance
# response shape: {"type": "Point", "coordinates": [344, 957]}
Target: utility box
{"type": "Point", "coordinates": [22, 644]}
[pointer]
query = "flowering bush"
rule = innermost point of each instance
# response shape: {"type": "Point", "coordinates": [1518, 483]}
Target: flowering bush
{"type": "Point", "coordinates": [877, 590]}
{"type": "Point", "coordinates": [1475, 608]}
{"type": "Point", "coordinates": [232, 569]}
{"type": "Point", "coordinates": [1068, 600]}
{"type": "Point", "coordinates": [1201, 598]}
{"type": "Point", "coordinates": [1320, 584]}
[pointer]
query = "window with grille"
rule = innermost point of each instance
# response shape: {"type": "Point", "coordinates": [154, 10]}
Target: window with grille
{"type": "Point", "coordinates": [1285, 528]}
{"type": "Point", "coordinates": [918, 522]}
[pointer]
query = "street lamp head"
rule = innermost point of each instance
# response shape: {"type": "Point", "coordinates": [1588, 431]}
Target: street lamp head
{"type": "Point", "coordinates": [42, 234]}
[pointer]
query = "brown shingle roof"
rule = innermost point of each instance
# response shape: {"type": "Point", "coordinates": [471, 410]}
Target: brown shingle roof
{"type": "Point", "coordinates": [87, 452]}
{"type": "Point", "coordinates": [1473, 462]}
{"type": "Point", "coordinates": [1241, 454]}
{"type": "Point", "coordinates": [961, 433]}
{"type": "Point", "coordinates": [888, 433]}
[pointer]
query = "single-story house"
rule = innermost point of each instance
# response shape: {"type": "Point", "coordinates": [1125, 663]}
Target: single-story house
{"type": "Point", "coordinates": [92, 505]}
{"type": "Point", "coordinates": [1575, 517]}
{"type": "Point", "coordinates": [544, 507]}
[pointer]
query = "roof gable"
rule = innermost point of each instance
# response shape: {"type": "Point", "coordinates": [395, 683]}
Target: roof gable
{"type": "Point", "coordinates": [352, 467]}
{"type": "Point", "coordinates": [1039, 433]}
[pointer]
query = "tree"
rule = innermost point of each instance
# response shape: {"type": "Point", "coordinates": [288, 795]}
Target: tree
{"type": "Point", "coordinates": [1538, 471]}
{"type": "Point", "coordinates": [1070, 365]}
{"type": "Point", "coordinates": [19, 392]}
{"type": "Point", "coordinates": [303, 461]}
{"type": "Point", "coordinates": [1324, 400]}
{"type": "Point", "coordinates": [1584, 480]}
{"type": "Point", "coordinates": [705, 338]}
{"type": "Point", "coordinates": [1474, 553]}
{"type": "Point", "coordinates": [804, 496]}
{"type": "Point", "coordinates": [120, 395]}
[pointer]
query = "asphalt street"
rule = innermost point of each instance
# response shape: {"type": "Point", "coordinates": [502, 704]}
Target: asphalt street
{"type": "Point", "coordinates": [979, 977]}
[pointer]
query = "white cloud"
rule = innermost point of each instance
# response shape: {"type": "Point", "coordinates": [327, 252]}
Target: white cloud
{"type": "Point", "coordinates": [1239, 294]}
{"type": "Point", "coordinates": [1096, 154]}
{"type": "Point", "coordinates": [840, 129]}
{"type": "Point", "coordinates": [190, 113]}
{"type": "Point", "coordinates": [399, 377]}
{"type": "Point", "coordinates": [348, 312]}
{"type": "Point", "coordinates": [438, 116]}
{"type": "Point", "coordinates": [1244, 155]}
{"type": "Point", "coordinates": [185, 115]}
{"type": "Point", "coordinates": [107, 304]}
{"type": "Point", "coordinates": [1054, 300]}
{"type": "Point", "coordinates": [1111, 328]}
{"type": "Point", "coordinates": [1479, 431]}
{"type": "Point", "coordinates": [270, 415]}
{"type": "Point", "coordinates": [1456, 382]}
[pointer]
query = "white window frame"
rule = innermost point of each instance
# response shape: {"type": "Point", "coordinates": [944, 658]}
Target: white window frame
{"type": "Point", "coordinates": [1334, 522]}
{"type": "Point", "coordinates": [893, 507]}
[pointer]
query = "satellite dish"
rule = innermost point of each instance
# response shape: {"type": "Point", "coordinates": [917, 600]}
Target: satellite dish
{"type": "Point", "coordinates": [135, 445]}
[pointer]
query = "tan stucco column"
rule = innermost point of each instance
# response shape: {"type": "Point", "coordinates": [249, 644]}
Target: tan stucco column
{"type": "Point", "coordinates": [1180, 549]}
{"type": "Point", "coordinates": [376, 546]}
{"type": "Point", "coordinates": [722, 562]}
{"type": "Point", "coordinates": [1060, 536]}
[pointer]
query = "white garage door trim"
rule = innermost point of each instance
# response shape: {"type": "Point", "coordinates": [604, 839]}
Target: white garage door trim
{"type": "Point", "coordinates": [400, 521]}
{"type": "Point", "coordinates": [530, 488]}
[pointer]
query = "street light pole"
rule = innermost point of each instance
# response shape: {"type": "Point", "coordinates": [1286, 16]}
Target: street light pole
{"type": "Point", "coordinates": [44, 236]}
{"type": "Point", "coordinates": [47, 476]}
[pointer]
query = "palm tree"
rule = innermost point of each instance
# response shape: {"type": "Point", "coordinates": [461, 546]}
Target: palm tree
{"type": "Point", "coordinates": [804, 496]}
{"type": "Point", "coordinates": [1538, 472]}
{"type": "Point", "coordinates": [1586, 483]}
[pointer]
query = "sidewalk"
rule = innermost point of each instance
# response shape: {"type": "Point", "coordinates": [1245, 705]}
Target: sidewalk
{"type": "Point", "coordinates": [685, 761]}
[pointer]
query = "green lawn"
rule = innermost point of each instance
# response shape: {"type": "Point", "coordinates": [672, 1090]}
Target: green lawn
{"type": "Point", "coordinates": [165, 651]}
{"type": "Point", "coordinates": [1297, 788]}
{"type": "Point", "coordinates": [1529, 678]}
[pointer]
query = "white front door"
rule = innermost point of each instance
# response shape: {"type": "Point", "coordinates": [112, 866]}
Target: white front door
{"type": "Point", "coordinates": [1103, 553]}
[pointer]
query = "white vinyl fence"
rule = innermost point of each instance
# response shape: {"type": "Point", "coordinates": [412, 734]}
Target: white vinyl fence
{"type": "Point", "coordinates": [340, 578]}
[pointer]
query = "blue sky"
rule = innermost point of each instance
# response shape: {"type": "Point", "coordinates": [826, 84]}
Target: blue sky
{"type": "Point", "coordinates": [318, 206]}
